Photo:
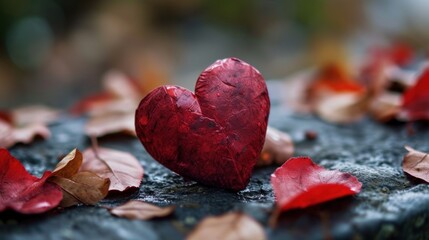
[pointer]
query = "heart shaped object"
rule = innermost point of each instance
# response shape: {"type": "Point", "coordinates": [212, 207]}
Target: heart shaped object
{"type": "Point", "coordinates": [214, 136]}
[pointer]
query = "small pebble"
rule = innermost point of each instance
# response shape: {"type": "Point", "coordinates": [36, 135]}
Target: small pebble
{"type": "Point", "coordinates": [310, 135]}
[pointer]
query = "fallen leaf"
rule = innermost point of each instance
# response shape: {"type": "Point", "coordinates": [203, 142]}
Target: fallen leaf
{"type": "Point", "coordinates": [7, 138]}
{"type": "Point", "coordinates": [415, 101]}
{"type": "Point", "coordinates": [91, 102]}
{"type": "Point", "coordinates": [343, 108]}
{"type": "Point", "coordinates": [122, 86]}
{"type": "Point", "coordinates": [114, 107]}
{"type": "Point", "coordinates": [416, 164]}
{"type": "Point", "coordinates": [114, 123]}
{"type": "Point", "coordinates": [332, 78]}
{"type": "Point", "coordinates": [400, 53]}
{"type": "Point", "coordinates": [229, 226]}
{"type": "Point", "coordinates": [84, 187]}
{"type": "Point", "coordinates": [385, 107]}
{"type": "Point", "coordinates": [69, 165]}
{"type": "Point", "coordinates": [28, 133]}
{"type": "Point", "coordinates": [112, 111]}
{"type": "Point", "coordinates": [23, 125]}
{"type": "Point", "coordinates": [10, 135]}
{"type": "Point", "coordinates": [78, 187]}
{"type": "Point", "coordinates": [136, 209]}
{"type": "Point", "coordinates": [123, 169]}
{"type": "Point", "coordinates": [5, 116]}
{"type": "Point", "coordinates": [35, 114]}
{"type": "Point", "coordinates": [300, 183]}
{"type": "Point", "coordinates": [23, 192]}
{"type": "Point", "coordinates": [278, 148]}
{"type": "Point", "coordinates": [335, 97]}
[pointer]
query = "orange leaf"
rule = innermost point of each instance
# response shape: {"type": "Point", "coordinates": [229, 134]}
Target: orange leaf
{"type": "Point", "coordinates": [333, 78]}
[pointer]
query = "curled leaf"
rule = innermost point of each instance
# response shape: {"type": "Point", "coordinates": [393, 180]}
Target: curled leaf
{"type": "Point", "coordinates": [78, 187]}
{"type": "Point", "coordinates": [416, 164]}
{"type": "Point", "coordinates": [69, 165]}
{"type": "Point", "coordinates": [24, 124]}
{"type": "Point", "coordinates": [23, 192]}
{"type": "Point", "coordinates": [228, 226]}
{"type": "Point", "coordinates": [300, 183]}
{"type": "Point", "coordinates": [278, 148]}
{"type": "Point", "coordinates": [136, 209]}
{"type": "Point", "coordinates": [9, 135]}
{"type": "Point", "coordinates": [123, 169]}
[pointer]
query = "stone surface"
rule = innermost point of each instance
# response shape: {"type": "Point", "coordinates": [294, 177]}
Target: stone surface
{"type": "Point", "coordinates": [390, 206]}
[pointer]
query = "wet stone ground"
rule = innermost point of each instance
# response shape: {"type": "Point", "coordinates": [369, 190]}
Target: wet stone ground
{"type": "Point", "coordinates": [390, 206]}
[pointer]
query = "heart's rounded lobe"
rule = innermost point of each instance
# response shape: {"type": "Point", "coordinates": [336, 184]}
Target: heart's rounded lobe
{"type": "Point", "coordinates": [213, 136]}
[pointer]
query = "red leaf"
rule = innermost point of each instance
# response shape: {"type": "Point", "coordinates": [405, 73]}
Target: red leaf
{"type": "Point", "coordinates": [23, 192]}
{"type": "Point", "coordinates": [300, 183]}
{"type": "Point", "coordinates": [401, 54]}
{"type": "Point", "coordinates": [415, 101]}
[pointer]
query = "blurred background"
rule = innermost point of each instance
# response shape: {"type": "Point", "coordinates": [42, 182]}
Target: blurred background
{"type": "Point", "coordinates": [55, 52]}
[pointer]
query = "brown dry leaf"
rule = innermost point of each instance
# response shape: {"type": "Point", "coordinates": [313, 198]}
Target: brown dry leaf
{"type": "Point", "coordinates": [78, 187]}
{"type": "Point", "coordinates": [123, 169]}
{"type": "Point", "coordinates": [69, 165]}
{"type": "Point", "coordinates": [135, 209]}
{"type": "Point", "coordinates": [33, 114]}
{"type": "Point", "coordinates": [343, 108]}
{"type": "Point", "coordinates": [109, 124]}
{"type": "Point", "coordinates": [229, 226]}
{"type": "Point", "coordinates": [385, 107]}
{"type": "Point", "coordinates": [83, 187]}
{"type": "Point", "coordinates": [278, 148]}
{"type": "Point", "coordinates": [416, 164]}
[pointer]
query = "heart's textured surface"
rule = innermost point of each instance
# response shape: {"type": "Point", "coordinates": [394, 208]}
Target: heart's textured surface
{"type": "Point", "coordinates": [213, 136]}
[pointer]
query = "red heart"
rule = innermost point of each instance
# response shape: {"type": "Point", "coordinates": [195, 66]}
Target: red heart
{"type": "Point", "coordinates": [213, 136]}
